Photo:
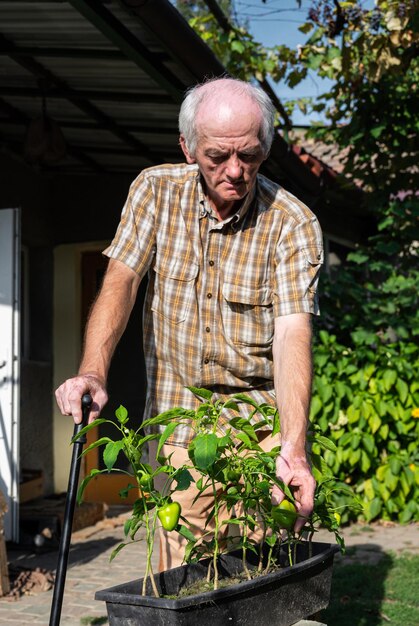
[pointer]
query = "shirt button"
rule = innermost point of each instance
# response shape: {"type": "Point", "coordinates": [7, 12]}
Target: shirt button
{"type": "Point", "coordinates": [211, 263]}
{"type": "Point", "coordinates": [208, 329]}
{"type": "Point", "coordinates": [209, 295]}
{"type": "Point", "coordinates": [206, 361]}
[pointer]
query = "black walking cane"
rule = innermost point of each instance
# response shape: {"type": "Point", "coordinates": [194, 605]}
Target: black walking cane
{"type": "Point", "coordinates": [73, 479]}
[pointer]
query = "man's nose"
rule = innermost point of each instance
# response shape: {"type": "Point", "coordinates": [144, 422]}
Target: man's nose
{"type": "Point", "coordinates": [234, 168]}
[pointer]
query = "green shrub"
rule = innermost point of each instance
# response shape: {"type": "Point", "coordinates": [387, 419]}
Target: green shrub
{"type": "Point", "coordinates": [366, 399]}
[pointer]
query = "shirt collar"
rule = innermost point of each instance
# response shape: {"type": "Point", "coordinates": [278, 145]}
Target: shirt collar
{"type": "Point", "coordinates": [205, 209]}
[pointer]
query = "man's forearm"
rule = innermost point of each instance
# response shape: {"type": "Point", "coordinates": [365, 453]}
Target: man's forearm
{"type": "Point", "coordinates": [293, 379]}
{"type": "Point", "coordinates": [293, 376]}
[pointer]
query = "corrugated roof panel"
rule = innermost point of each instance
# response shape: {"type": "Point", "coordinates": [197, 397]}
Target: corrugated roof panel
{"type": "Point", "coordinates": [55, 50]}
{"type": "Point", "coordinates": [134, 25]}
{"type": "Point", "coordinates": [57, 108]}
{"type": "Point", "coordinates": [91, 137]}
{"type": "Point", "coordinates": [107, 74]}
{"type": "Point", "coordinates": [120, 162]}
{"type": "Point", "coordinates": [160, 141]}
{"type": "Point", "coordinates": [48, 24]}
{"type": "Point", "coordinates": [12, 74]}
{"type": "Point", "coordinates": [135, 112]}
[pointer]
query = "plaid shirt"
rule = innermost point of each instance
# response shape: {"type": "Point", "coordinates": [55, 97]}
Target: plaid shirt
{"type": "Point", "coordinates": [214, 287]}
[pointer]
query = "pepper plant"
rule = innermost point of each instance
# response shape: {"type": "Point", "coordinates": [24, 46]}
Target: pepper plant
{"type": "Point", "coordinates": [240, 474]}
{"type": "Point", "coordinates": [232, 465]}
{"type": "Point", "coordinates": [151, 505]}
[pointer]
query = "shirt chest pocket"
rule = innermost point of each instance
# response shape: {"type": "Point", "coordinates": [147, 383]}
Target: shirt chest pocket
{"type": "Point", "coordinates": [248, 314]}
{"type": "Point", "coordinates": [174, 288]}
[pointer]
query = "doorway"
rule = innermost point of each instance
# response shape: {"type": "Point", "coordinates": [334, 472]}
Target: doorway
{"type": "Point", "coordinates": [126, 385]}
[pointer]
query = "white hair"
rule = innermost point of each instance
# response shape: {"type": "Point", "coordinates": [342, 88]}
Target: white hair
{"type": "Point", "coordinates": [204, 91]}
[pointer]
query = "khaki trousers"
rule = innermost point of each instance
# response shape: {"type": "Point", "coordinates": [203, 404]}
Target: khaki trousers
{"type": "Point", "coordinates": [172, 545]}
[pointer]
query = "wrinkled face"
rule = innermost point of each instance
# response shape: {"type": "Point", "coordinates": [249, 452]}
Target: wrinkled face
{"type": "Point", "coordinates": [229, 152]}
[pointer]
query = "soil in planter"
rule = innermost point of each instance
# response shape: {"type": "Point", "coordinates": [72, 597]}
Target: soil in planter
{"type": "Point", "coordinates": [279, 560]}
{"type": "Point", "coordinates": [201, 586]}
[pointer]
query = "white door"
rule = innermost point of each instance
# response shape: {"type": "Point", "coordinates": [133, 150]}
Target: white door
{"type": "Point", "coordinates": [9, 366]}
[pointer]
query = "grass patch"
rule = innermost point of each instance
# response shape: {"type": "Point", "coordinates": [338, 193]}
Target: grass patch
{"type": "Point", "coordinates": [375, 595]}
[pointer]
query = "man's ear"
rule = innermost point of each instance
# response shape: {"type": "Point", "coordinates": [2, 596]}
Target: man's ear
{"type": "Point", "coordinates": [189, 159]}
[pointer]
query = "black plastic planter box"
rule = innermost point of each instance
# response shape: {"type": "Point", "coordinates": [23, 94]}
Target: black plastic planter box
{"type": "Point", "coordinates": [281, 598]}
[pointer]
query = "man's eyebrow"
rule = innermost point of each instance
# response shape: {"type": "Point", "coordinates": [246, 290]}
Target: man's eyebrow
{"type": "Point", "coordinates": [253, 150]}
{"type": "Point", "coordinates": [215, 151]}
{"type": "Point", "coordinates": [218, 152]}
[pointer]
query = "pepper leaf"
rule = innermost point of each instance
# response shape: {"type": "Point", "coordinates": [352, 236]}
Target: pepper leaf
{"type": "Point", "coordinates": [201, 393]}
{"type": "Point", "coordinates": [111, 452]}
{"type": "Point", "coordinates": [205, 451]}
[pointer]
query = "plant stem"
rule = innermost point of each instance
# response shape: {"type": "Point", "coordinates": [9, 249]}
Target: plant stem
{"type": "Point", "coordinates": [245, 568]}
{"type": "Point", "coordinates": [260, 564]}
{"type": "Point", "coordinates": [149, 555]}
{"type": "Point", "coordinates": [310, 544]}
{"type": "Point", "coordinates": [268, 562]}
{"type": "Point", "coordinates": [209, 572]}
{"type": "Point", "coordinates": [153, 580]}
{"type": "Point", "coordinates": [289, 551]}
{"type": "Point", "coordinates": [150, 545]}
{"type": "Point", "coordinates": [143, 590]}
{"type": "Point", "coordinates": [216, 529]}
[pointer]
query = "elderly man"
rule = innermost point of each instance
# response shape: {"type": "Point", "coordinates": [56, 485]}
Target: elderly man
{"type": "Point", "coordinates": [233, 264]}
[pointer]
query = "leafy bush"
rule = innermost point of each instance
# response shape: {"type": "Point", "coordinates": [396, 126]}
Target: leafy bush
{"type": "Point", "coordinates": [376, 289]}
{"type": "Point", "coordinates": [366, 399]}
{"type": "Point", "coordinates": [366, 388]}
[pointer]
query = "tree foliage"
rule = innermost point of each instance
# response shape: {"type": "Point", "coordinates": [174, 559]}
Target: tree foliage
{"type": "Point", "coordinates": [371, 111]}
{"type": "Point", "coordinates": [372, 58]}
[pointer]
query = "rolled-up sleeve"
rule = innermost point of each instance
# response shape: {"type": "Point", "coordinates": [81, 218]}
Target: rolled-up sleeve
{"type": "Point", "coordinates": [134, 241]}
{"type": "Point", "coordinates": [299, 257]}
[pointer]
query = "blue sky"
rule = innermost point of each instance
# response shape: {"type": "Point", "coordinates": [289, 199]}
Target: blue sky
{"type": "Point", "coordinates": [275, 22]}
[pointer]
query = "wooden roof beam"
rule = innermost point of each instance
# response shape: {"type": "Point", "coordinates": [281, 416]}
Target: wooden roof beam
{"type": "Point", "coordinates": [181, 42]}
{"type": "Point", "coordinates": [132, 128]}
{"type": "Point", "coordinates": [105, 22]}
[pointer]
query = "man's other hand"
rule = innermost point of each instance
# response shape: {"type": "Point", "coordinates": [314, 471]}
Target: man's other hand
{"type": "Point", "coordinates": [295, 472]}
{"type": "Point", "coordinates": [70, 393]}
